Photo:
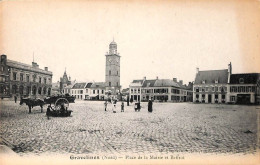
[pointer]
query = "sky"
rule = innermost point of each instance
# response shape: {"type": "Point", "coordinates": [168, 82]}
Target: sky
{"type": "Point", "coordinates": [168, 39]}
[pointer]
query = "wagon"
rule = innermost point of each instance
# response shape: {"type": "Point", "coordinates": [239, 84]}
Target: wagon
{"type": "Point", "coordinates": [59, 105]}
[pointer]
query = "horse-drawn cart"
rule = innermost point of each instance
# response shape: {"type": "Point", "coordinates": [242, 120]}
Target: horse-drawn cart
{"type": "Point", "coordinates": [60, 105]}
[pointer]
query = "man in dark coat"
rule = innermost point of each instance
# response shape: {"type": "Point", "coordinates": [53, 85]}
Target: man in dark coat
{"type": "Point", "coordinates": [15, 99]}
{"type": "Point", "coordinates": [150, 106]}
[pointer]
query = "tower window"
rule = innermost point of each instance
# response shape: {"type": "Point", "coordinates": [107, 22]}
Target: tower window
{"type": "Point", "coordinates": [116, 83]}
{"type": "Point", "coordinates": [117, 73]}
{"type": "Point", "coordinates": [109, 72]}
{"type": "Point", "coordinates": [110, 84]}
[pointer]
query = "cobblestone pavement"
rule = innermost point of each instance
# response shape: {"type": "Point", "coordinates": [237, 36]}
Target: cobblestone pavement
{"type": "Point", "coordinates": [171, 128]}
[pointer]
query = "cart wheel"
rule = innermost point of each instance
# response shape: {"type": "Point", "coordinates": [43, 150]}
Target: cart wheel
{"type": "Point", "coordinates": [61, 101]}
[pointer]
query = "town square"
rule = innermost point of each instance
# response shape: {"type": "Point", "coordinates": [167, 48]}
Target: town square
{"type": "Point", "coordinates": [171, 128]}
{"type": "Point", "coordinates": [100, 81]}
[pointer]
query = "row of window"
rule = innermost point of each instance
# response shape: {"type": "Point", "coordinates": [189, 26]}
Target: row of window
{"type": "Point", "coordinates": [210, 89]}
{"type": "Point", "coordinates": [109, 84]}
{"type": "Point", "coordinates": [27, 78]}
{"type": "Point", "coordinates": [111, 73]}
{"type": "Point", "coordinates": [93, 91]}
{"type": "Point", "coordinates": [161, 90]}
{"type": "Point", "coordinates": [28, 89]}
{"type": "Point", "coordinates": [242, 89]}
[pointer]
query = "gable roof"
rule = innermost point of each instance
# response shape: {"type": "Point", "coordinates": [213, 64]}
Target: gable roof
{"type": "Point", "coordinates": [79, 86]}
{"type": "Point", "coordinates": [248, 78]}
{"type": "Point", "coordinates": [210, 76]}
{"type": "Point", "coordinates": [148, 83]}
{"type": "Point", "coordinates": [165, 83]}
{"type": "Point", "coordinates": [88, 85]}
{"type": "Point", "coordinates": [98, 85]}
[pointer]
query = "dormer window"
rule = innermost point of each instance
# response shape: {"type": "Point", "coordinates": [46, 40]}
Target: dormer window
{"type": "Point", "coordinates": [203, 81]}
{"type": "Point", "coordinates": [241, 81]}
{"type": "Point", "coordinates": [216, 81]}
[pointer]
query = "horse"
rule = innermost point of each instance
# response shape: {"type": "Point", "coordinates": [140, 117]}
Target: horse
{"type": "Point", "coordinates": [32, 103]}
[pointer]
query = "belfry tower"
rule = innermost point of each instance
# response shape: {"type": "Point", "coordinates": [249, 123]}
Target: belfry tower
{"type": "Point", "coordinates": [112, 70]}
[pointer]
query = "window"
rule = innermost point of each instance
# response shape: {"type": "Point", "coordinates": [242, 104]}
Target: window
{"type": "Point", "coordinates": [14, 75]}
{"type": "Point", "coordinates": [93, 91]}
{"type": "Point", "coordinates": [110, 84]}
{"type": "Point", "coordinates": [197, 90]}
{"type": "Point", "coordinates": [98, 91]}
{"type": "Point", "coordinates": [109, 72]}
{"type": "Point", "coordinates": [232, 98]}
{"type": "Point", "coordinates": [45, 81]}
{"type": "Point", "coordinates": [40, 80]}
{"type": "Point", "coordinates": [102, 91]}
{"type": "Point", "coordinates": [21, 77]}
{"type": "Point", "coordinates": [117, 73]}
{"type": "Point", "coordinates": [241, 81]}
{"type": "Point", "coordinates": [86, 90]}
{"type": "Point", "coordinates": [34, 78]}
{"type": "Point", "coordinates": [117, 84]}
{"type": "Point", "coordinates": [27, 78]}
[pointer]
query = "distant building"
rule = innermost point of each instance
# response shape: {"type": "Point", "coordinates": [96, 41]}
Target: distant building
{"type": "Point", "coordinates": [87, 91]}
{"type": "Point", "coordinates": [211, 86]}
{"type": "Point", "coordinates": [24, 80]}
{"type": "Point", "coordinates": [77, 90]}
{"type": "Point", "coordinates": [244, 88]}
{"type": "Point", "coordinates": [160, 90]}
{"type": "Point", "coordinates": [64, 81]}
{"type": "Point", "coordinates": [112, 73]}
{"type": "Point", "coordinates": [97, 91]}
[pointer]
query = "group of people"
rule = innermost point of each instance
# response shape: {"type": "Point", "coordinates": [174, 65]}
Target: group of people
{"type": "Point", "coordinates": [113, 106]}
{"type": "Point", "coordinates": [137, 106]}
{"type": "Point", "coordinates": [61, 111]}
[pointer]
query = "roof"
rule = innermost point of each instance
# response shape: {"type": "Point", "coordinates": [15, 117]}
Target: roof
{"type": "Point", "coordinates": [88, 85]}
{"type": "Point", "coordinates": [69, 86]}
{"type": "Point", "coordinates": [20, 65]}
{"type": "Point", "coordinates": [210, 76]}
{"type": "Point", "coordinates": [149, 83]}
{"type": "Point", "coordinates": [248, 78]}
{"type": "Point", "coordinates": [165, 83]}
{"type": "Point", "coordinates": [98, 85]}
{"type": "Point", "coordinates": [79, 86]}
{"type": "Point", "coordinates": [126, 90]}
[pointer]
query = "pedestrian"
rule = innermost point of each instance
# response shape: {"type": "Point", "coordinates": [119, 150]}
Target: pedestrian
{"type": "Point", "coordinates": [150, 106]}
{"type": "Point", "coordinates": [114, 107]}
{"type": "Point", "coordinates": [48, 112]}
{"type": "Point", "coordinates": [105, 104]}
{"type": "Point", "coordinates": [127, 100]}
{"type": "Point", "coordinates": [122, 107]}
{"type": "Point", "coordinates": [138, 106]}
{"type": "Point", "coordinates": [15, 98]}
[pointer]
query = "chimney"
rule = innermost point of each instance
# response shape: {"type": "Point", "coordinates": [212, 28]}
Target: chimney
{"type": "Point", "coordinates": [46, 68]}
{"type": "Point", "coordinates": [197, 70]}
{"type": "Point", "coordinates": [181, 82]}
{"type": "Point", "coordinates": [175, 79]}
{"type": "Point", "coordinates": [230, 68]}
{"type": "Point", "coordinates": [156, 77]}
{"type": "Point", "coordinates": [144, 78]}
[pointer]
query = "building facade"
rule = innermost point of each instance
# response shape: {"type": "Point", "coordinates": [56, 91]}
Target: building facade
{"type": "Point", "coordinates": [211, 86]}
{"type": "Point", "coordinates": [78, 90]}
{"type": "Point", "coordinates": [18, 79]}
{"type": "Point", "coordinates": [244, 88]}
{"type": "Point", "coordinates": [163, 90]}
{"type": "Point", "coordinates": [64, 82]}
{"type": "Point", "coordinates": [112, 72]}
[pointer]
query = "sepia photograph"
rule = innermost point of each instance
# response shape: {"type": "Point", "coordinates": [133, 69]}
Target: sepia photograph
{"type": "Point", "coordinates": [129, 82]}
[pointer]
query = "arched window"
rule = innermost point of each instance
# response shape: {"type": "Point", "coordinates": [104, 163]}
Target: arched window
{"type": "Point", "coordinates": [14, 89]}
{"type": "Point", "coordinates": [34, 90]}
{"type": "Point", "coordinates": [49, 91]}
{"type": "Point", "coordinates": [21, 90]}
{"type": "Point", "coordinates": [40, 90]}
{"type": "Point", "coordinates": [44, 90]}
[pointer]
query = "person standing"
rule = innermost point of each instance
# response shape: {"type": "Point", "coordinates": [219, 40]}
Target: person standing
{"type": "Point", "coordinates": [122, 107]}
{"type": "Point", "coordinates": [150, 106]}
{"type": "Point", "coordinates": [15, 98]}
{"type": "Point", "coordinates": [138, 106]}
{"type": "Point", "coordinates": [105, 104]}
{"type": "Point", "coordinates": [48, 112]}
{"type": "Point", "coordinates": [114, 107]}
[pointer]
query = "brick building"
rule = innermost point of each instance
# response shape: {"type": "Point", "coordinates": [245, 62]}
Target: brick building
{"type": "Point", "coordinates": [24, 80]}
